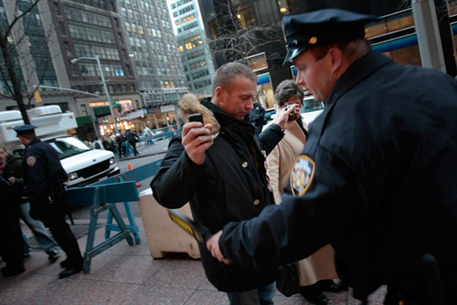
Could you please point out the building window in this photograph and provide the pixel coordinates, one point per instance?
(84, 110)
(245, 16)
(288, 7)
(62, 29)
(57, 8)
(257, 62)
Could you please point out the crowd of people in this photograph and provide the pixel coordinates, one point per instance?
(119, 143)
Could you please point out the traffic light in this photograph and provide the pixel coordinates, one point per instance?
(37, 96)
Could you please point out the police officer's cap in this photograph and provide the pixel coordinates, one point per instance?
(24, 129)
(322, 27)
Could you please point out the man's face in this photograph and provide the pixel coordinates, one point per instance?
(316, 76)
(237, 99)
(2, 157)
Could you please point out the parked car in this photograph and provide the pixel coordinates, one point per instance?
(311, 109)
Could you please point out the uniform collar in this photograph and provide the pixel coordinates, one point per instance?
(34, 141)
(356, 72)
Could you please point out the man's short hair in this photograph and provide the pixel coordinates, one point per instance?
(287, 89)
(226, 74)
(29, 136)
(352, 50)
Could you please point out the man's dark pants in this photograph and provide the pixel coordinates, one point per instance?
(54, 219)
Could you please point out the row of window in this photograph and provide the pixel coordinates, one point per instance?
(148, 8)
(79, 32)
(112, 88)
(202, 84)
(91, 69)
(188, 27)
(90, 51)
(184, 10)
(186, 19)
(87, 17)
(99, 4)
(194, 54)
(179, 3)
(196, 65)
(199, 74)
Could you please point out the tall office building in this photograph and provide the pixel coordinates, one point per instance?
(153, 49)
(192, 44)
(27, 46)
(91, 44)
(70, 45)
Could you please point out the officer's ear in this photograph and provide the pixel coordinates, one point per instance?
(337, 58)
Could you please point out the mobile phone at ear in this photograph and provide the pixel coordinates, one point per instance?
(196, 117)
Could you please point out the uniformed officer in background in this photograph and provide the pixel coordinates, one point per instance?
(43, 186)
(377, 176)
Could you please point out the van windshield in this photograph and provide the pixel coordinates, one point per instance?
(311, 105)
(67, 147)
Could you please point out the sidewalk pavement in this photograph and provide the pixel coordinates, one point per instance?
(127, 275)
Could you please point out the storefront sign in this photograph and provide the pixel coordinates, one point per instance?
(153, 110)
(134, 114)
(167, 108)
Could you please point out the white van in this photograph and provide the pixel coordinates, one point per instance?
(83, 165)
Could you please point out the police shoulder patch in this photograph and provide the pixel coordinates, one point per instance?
(302, 175)
(31, 160)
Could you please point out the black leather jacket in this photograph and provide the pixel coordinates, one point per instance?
(230, 186)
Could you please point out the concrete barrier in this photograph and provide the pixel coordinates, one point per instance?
(164, 236)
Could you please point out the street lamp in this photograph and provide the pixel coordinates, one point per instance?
(96, 58)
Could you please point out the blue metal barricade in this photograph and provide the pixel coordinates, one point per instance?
(103, 197)
(135, 175)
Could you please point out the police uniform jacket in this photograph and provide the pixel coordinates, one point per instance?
(230, 186)
(42, 168)
(376, 180)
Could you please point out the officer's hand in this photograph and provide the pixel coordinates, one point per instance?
(196, 140)
(287, 115)
(12, 180)
(213, 246)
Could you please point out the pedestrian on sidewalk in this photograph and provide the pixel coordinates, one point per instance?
(132, 138)
(377, 176)
(43, 180)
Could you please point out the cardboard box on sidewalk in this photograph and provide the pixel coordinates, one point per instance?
(164, 235)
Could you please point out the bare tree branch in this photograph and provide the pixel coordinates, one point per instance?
(235, 41)
(24, 45)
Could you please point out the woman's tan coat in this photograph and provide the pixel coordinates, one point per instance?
(320, 265)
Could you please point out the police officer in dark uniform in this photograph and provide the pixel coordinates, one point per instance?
(377, 176)
(44, 177)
